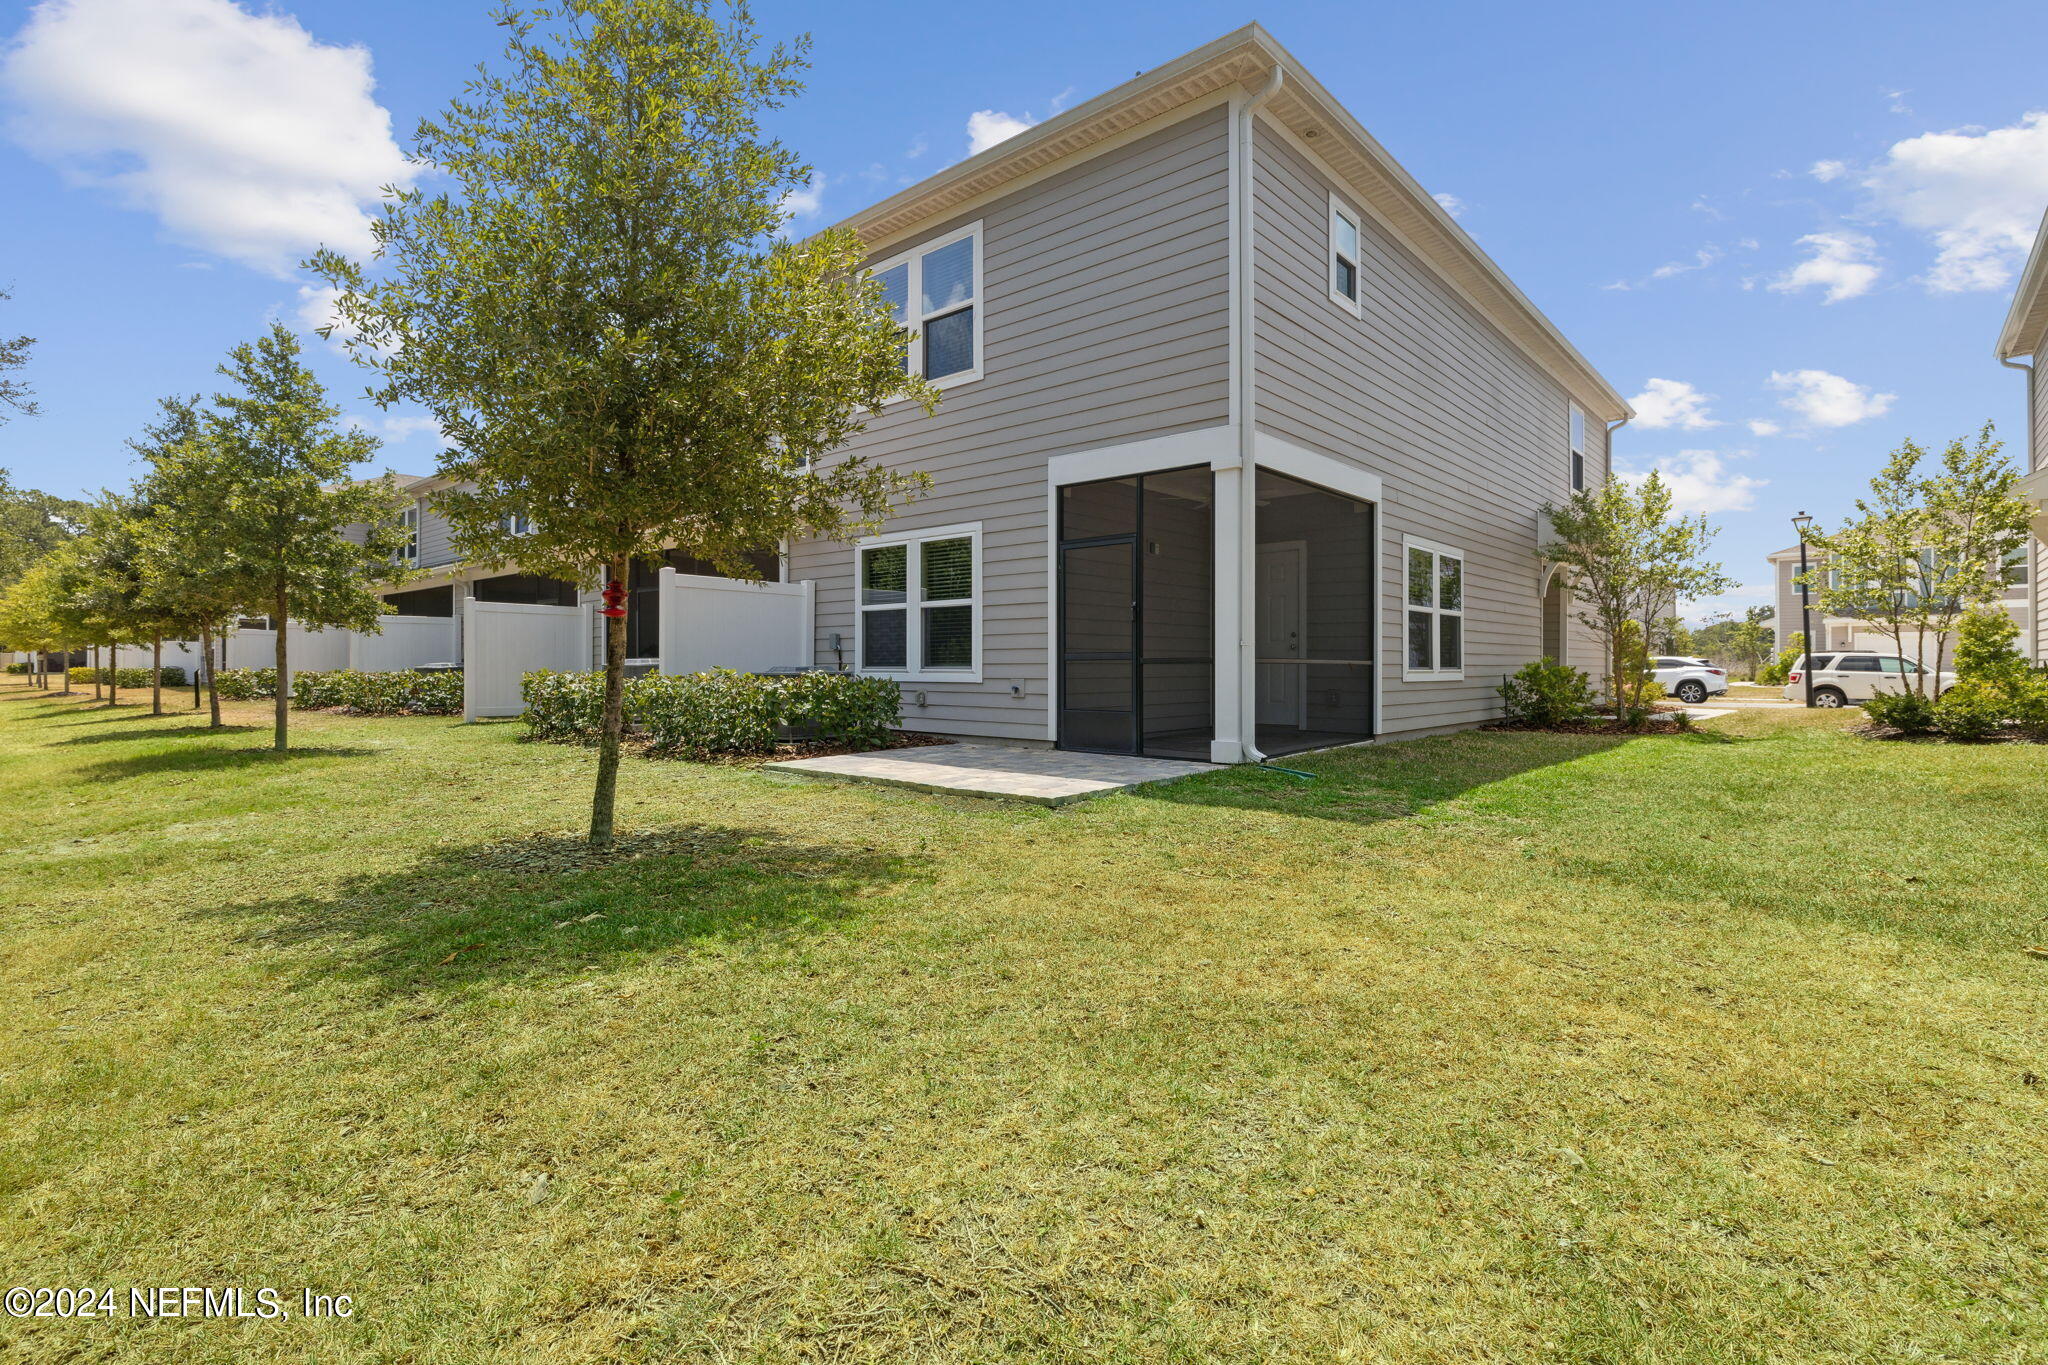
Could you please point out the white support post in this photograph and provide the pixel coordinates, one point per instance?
(807, 626)
(1227, 745)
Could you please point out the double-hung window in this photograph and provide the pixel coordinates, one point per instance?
(920, 604)
(1344, 255)
(934, 292)
(1436, 612)
(1578, 447)
(409, 523)
(516, 524)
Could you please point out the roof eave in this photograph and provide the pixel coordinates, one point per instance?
(2026, 322)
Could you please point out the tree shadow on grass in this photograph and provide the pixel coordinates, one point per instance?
(547, 906)
(195, 759)
(1372, 783)
(160, 732)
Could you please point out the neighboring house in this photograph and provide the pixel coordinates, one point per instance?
(1847, 632)
(2026, 334)
(1242, 450)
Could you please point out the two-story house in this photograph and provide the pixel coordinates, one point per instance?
(1848, 632)
(1242, 448)
(2026, 334)
(1243, 441)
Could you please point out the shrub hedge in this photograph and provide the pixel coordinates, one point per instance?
(718, 713)
(1907, 712)
(379, 694)
(129, 677)
(1547, 694)
(246, 684)
(21, 667)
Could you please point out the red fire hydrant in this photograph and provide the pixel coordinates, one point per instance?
(614, 599)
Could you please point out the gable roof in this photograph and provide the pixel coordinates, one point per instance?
(2026, 324)
(1245, 57)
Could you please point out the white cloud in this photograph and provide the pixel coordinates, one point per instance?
(399, 427)
(1672, 403)
(1701, 259)
(1842, 263)
(1977, 192)
(239, 131)
(918, 148)
(1451, 204)
(1700, 481)
(1828, 170)
(987, 127)
(807, 201)
(1821, 399)
(1763, 426)
(1897, 101)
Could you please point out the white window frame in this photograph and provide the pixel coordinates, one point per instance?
(1340, 209)
(913, 604)
(913, 259)
(516, 524)
(1575, 441)
(1409, 673)
(409, 522)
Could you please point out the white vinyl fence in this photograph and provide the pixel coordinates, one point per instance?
(729, 623)
(405, 642)
(504, 641)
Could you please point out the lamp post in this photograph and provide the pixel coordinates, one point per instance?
(1801, 523)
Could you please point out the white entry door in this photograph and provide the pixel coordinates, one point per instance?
(1282, 597)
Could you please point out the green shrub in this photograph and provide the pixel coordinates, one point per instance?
(1907, 712)
(2027, 703)
(402, 693)
(246, 684)
(846, 708)
(1971, 711)
(22, 667)
(705, 714)
(1778, 671)
(1547, 694)
(562, 706)
(1985, 646)
(128, 677)
(717, 713)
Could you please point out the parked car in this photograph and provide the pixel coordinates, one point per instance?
(1854, 677)
(1690, 680)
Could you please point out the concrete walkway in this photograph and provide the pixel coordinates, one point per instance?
(1049, 777)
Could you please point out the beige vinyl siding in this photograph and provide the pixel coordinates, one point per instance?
(437, 546)
(1468, 435)
(1104, 306)
(1787, 578)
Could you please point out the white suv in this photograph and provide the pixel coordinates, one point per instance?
(1692, 681)
(1839, 679)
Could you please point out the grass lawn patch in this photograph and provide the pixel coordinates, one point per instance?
(1500, 1047)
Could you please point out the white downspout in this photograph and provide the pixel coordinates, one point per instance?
(2034, 458)
(1247, 428)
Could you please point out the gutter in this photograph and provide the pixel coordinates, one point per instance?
(1247, 428)
(2027, 369)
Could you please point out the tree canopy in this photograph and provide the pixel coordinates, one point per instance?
(622, 353)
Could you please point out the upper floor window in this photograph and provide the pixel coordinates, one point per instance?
(1436, 612)
(2017, 563)
(1578, 447)
(409, 523)
(1345, 259)
(920, 604)
(516, 524)
(934, 292)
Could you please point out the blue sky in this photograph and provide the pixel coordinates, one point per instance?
(1803, 216)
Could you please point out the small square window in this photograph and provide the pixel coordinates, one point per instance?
(933, 294)
(920, 606)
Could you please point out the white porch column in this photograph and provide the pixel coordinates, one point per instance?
(1227, 745)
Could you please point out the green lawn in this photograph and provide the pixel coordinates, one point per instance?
(1493, 1048)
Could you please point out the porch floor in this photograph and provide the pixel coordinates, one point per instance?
(1048, 777)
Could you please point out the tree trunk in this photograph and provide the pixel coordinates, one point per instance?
(95, 672)
(605, 798)
(114, 675)
(206, 658)
(156, 674)
(284, 696)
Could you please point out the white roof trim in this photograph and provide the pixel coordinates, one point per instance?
(2026, 325)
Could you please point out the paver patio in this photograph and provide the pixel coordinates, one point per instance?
(1050, 777)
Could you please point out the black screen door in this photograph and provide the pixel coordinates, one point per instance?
(1099, 645)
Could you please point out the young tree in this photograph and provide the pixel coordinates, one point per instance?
(14, 393)
(266, 487)
(604, 323)
(1749, 640)
(1627, 559)
(33, 617)
(1923, 550)
(190, 582)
